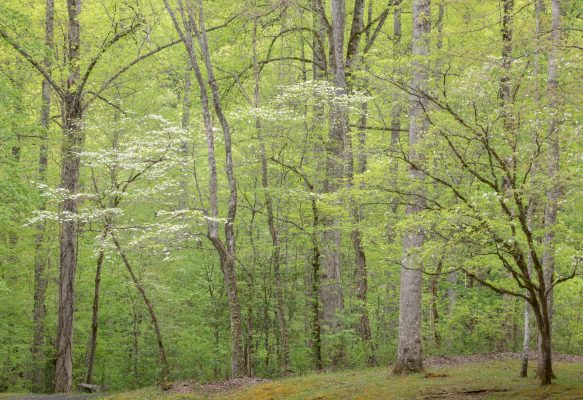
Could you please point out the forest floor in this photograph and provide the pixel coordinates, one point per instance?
(479, 377)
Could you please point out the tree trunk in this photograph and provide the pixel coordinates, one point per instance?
(237, 362)
(526, 340)
(72, 145)
(396, 112)
(185, 125)
(553, 191)
(541, 312)
(40, 253)
(95, 309)
(434, 283)
(331, 285)
(409, 357)
(316, 331)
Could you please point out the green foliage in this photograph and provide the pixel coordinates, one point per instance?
(133, 135)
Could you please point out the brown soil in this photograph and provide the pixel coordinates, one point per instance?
(214, 387)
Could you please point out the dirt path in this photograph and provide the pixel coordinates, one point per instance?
(53, 397)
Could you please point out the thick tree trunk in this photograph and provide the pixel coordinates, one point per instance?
(538, 6)
(72, 145)
(541, 312)
(40, 253)
(68, 245)
(331, 285)
(409, 357)
(553, 191)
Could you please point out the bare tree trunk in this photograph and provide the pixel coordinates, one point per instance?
(541, 312)
(395, 114)
(149, 306)
(185, 124)
(526, 339)
(508, 122)
(318, 43)
(409, 357)
(553, 192)
(316, 331)
(40, 254)
(237, 367)
(434, 283)
(331, 285)
(72, 144)
(538, 6)
(95, 309)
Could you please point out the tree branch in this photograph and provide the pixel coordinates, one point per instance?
(34, 63)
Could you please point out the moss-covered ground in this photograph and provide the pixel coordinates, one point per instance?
(483, 380)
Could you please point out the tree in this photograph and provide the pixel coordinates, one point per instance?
(225, 250)
(506, 232)
(544, 369)
(409, 357)
(40, 255)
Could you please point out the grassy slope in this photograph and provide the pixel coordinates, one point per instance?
(379, 384)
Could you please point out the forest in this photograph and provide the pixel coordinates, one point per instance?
(214, 191)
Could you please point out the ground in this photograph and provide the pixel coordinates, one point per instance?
(469, 378)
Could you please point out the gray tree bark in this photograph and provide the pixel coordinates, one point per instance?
(237, 361)
(185, 124)
(526, 338)
(553, 192)
(331, 286)
(409, 357)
